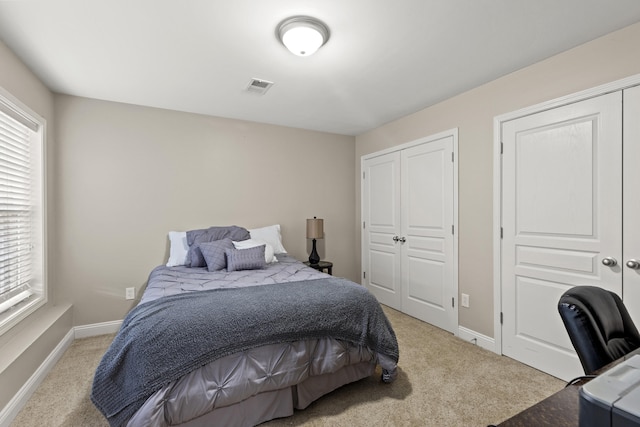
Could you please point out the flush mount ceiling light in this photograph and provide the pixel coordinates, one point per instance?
(303, 35)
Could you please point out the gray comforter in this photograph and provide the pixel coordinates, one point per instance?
(164, 281)
(154, 347)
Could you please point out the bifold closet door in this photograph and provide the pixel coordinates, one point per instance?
(561, 222)
(408, 216)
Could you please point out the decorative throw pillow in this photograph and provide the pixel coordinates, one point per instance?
(245, 259)
(214, 253)
(269, 256)
(271, 235)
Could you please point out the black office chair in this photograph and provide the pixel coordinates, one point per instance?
(599, 326)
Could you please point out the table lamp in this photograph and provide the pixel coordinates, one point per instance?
(314, 231)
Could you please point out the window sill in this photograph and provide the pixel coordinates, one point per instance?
(14, 316)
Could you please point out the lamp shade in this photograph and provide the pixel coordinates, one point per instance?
(315, 228)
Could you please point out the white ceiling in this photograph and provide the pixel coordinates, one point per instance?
(385, 58)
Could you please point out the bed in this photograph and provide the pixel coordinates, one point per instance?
(252, 339)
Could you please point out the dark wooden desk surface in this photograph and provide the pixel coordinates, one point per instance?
(558, 410)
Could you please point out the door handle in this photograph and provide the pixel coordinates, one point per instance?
(402, 240)
(633, 264)
(609, 262)
(396, 239)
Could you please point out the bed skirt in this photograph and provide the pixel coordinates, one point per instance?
(261, 407)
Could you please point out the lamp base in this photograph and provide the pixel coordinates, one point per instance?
(314, 258)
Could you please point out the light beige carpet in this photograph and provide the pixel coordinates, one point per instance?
(443, 381)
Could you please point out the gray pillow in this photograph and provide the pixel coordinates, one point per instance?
(211, 234)
(214, 253)
(194, 257)
(245, 259)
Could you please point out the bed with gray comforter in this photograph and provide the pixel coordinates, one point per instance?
(240, 348)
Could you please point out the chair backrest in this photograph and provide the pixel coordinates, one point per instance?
(599, 326)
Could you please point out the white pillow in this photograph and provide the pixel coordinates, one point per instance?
(269, 256)
(178, 248)
(271, 235)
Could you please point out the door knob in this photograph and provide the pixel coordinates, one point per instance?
(609, 262)
(633, 264)
(396, 238)
(402, 240)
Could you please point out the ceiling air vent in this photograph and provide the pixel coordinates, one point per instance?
(259, 86)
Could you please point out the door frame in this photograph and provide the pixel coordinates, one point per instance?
(447, 133)
(497, 180)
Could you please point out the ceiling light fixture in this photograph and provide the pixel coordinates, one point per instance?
(303, 35)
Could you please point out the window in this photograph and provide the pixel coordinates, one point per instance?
(22, 237)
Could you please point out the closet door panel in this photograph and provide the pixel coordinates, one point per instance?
(562, 215)
(381, 222)
(427, 212)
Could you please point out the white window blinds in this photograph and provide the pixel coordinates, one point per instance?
(16, 211)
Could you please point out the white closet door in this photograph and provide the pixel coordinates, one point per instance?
(631, 211)
(562, 215)
(427, 219)
(381, 216)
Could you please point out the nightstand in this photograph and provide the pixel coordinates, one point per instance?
(321, 266)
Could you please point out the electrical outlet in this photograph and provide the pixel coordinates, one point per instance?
(130, 293)
(465, 300)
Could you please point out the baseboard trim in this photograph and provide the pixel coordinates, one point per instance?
(474, 337)
(95, 329)
(21, 398)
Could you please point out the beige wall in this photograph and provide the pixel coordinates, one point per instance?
(130, 174)
(603, 60)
